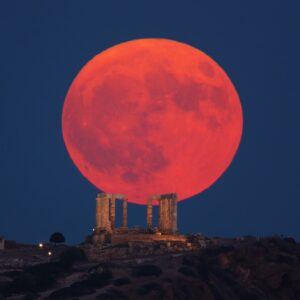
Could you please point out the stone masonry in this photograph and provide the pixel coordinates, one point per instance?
(168, 213)
(102, 212)
(105, 219)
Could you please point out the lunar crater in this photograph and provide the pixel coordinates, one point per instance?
(207, 69)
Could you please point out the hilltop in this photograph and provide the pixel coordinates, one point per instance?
(228, 269)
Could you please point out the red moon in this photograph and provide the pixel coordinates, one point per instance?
(152, 116)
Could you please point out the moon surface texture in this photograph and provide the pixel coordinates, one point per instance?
(152, 116)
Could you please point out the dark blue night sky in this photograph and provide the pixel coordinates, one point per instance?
(45, 43)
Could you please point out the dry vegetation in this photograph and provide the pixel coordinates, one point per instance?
(249, 270)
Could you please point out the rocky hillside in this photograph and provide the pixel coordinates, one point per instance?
(246, 269)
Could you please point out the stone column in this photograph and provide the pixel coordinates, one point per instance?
(102, 212)
(161, 214)
(112, 210)
(149, 213)
(124, 214)
(168, 213)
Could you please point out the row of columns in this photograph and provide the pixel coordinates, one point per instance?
(167, 222)
(105, 212)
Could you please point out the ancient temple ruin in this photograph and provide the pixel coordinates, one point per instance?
(168, 213)
(105, 211)
(106, 231)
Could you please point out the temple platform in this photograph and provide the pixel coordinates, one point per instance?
(119, 238)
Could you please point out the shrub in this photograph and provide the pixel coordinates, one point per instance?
(146, 270)
(150, 287)
(187, 271)
(99, 280)
(35, 278)
(25, 282)
(70, 256)
(72, 291)
(122, 281)
(290, 240)
(189, 260)
(84, 287)
(31, 296)
(284, 259)
(218, 250)
(112, 294)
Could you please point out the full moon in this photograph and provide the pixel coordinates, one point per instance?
(152, 116)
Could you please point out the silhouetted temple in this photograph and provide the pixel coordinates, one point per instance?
(106, 232)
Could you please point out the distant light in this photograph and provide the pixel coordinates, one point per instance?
(49, 253)
(41, 245)
(93, 229)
